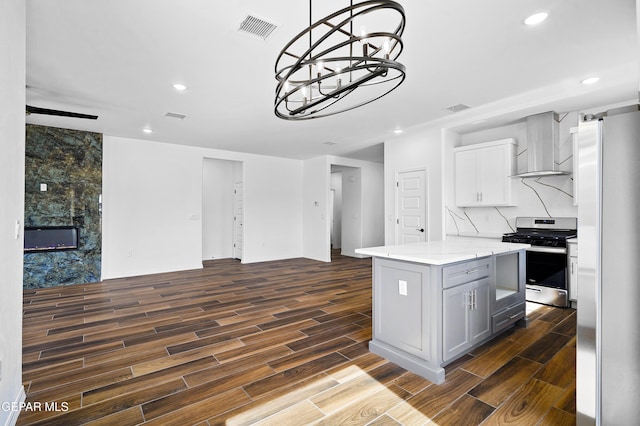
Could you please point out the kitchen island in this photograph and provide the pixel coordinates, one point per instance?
(435, 301)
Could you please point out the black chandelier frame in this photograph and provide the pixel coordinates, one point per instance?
(317, 84)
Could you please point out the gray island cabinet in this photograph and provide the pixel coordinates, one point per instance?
(435, 301)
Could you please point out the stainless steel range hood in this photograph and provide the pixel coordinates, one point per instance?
(542, 146)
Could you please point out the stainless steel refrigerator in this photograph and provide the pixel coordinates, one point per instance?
(608, 334)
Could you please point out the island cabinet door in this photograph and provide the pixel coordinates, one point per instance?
(455, 325)
(401, 294)
(466, 311)
(480, 311)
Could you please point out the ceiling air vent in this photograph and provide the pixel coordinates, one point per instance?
(458, 107)
(175, 115)
(257, 27)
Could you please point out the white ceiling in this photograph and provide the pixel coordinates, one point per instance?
(118, 59)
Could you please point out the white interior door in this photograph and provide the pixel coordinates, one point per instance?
(238, 220)
(411, 206)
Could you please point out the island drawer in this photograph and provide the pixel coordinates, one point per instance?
(465, 272)
(505, 318)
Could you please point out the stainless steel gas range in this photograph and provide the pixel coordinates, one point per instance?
(546, 275)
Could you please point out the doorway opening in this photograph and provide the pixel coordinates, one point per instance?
(346, 209)
(222, 209)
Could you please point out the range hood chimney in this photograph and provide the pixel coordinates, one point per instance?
(542, 146)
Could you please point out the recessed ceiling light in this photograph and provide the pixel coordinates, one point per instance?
(147, 130)
(590, 80)
(536, 18)
(397, 131)
(180, 87)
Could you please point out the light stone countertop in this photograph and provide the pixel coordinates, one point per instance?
(443, 252)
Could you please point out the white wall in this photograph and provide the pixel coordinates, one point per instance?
(12, 133)
(419, 148)
(152, 206)
(315, 209)
(217, 208)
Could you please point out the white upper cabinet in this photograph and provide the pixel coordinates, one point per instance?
(483, 174)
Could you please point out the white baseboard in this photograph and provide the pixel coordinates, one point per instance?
(12, 415)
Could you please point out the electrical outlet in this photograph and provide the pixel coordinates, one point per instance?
(402, 287)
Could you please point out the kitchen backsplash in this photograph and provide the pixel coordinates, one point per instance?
(550, 196)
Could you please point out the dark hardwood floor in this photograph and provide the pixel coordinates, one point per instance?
(281, 342)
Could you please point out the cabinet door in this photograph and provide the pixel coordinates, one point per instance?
(480, 311)
(466, 311)
(483, 174)
(466, 180)
(494, 177)
(455, 324)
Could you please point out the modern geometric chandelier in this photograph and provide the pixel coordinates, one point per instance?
(341, 62)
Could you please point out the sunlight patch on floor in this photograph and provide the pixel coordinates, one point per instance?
(297, 407)
(534, 307)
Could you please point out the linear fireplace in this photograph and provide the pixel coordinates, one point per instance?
(50, 238)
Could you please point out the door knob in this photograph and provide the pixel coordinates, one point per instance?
(420, 229)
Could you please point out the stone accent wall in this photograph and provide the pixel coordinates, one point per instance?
(69, 162)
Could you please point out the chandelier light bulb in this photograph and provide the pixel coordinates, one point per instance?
(386, 48)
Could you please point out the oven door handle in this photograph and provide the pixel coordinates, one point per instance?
(543, 249)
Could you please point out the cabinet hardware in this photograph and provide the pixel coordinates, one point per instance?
(471, 271)
(513, 316)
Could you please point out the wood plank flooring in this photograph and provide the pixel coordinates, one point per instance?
(281, 342)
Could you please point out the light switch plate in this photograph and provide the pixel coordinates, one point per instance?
(402, 287)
